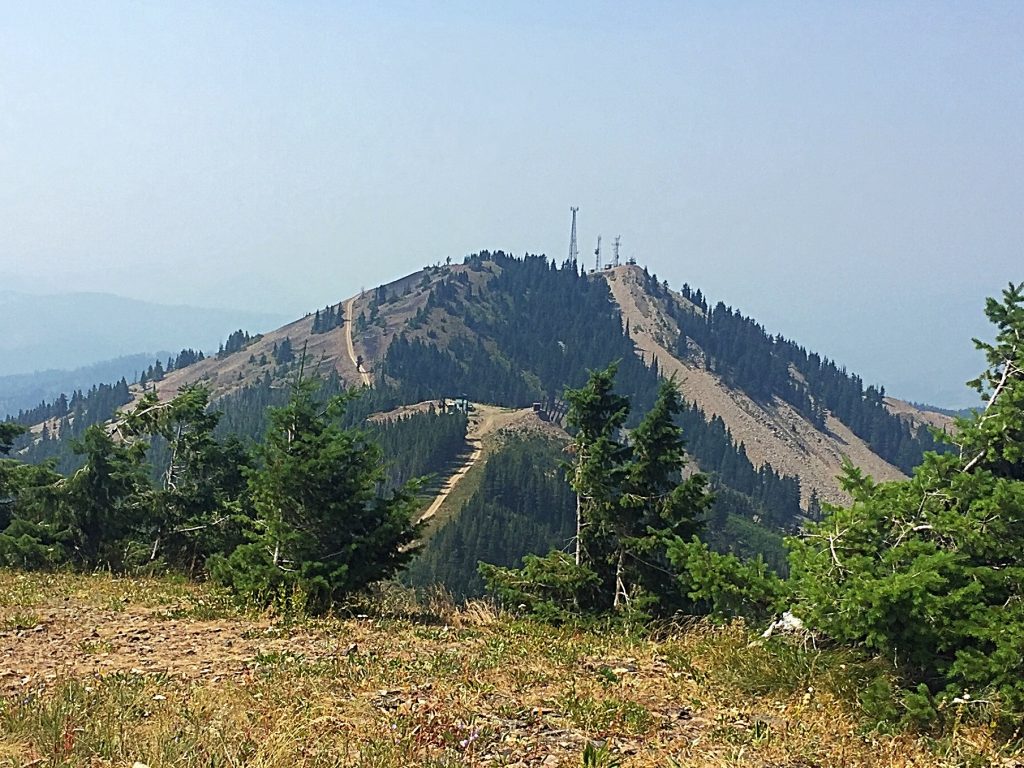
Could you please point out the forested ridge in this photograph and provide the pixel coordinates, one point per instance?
(535, 329)
(523, 505)
(511, 331)
(289, 495)
(748, 358)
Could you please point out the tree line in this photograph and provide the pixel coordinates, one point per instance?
(312, 512)
(327, 319)
(742, 352)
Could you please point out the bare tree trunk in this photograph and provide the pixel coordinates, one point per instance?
(579, 529)
(620, 583)
(580, 458)
(171, 468)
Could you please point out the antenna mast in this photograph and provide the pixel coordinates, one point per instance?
(615, 250)
(574, 251)
(597, 255)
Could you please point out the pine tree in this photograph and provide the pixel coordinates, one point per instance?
(657, 504)
(29, 538)
(106, 502)
(203, 483)
(597, 414)
(321, 529)
(9, 431)
(283, 352)
(632, 503)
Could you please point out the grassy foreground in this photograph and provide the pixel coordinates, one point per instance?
(98, 671)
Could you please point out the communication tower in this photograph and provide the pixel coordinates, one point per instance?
(574, 251)
(615, 250)
(597, 255)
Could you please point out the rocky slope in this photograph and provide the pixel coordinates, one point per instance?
(773, 433)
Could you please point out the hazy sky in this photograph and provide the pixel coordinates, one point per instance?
(850, 174)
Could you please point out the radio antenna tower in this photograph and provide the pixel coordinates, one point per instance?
(574, 251)
(597, 255)
(615, 250)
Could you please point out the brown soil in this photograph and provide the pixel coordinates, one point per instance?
(76, 640)
(335, 350)
(168, 688)
(775, 434)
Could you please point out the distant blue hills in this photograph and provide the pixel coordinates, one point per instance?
(46, 339)
(23, 391)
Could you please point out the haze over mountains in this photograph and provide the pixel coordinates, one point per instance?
(508, 331)
(71, 330)
(19, 391)
(768, 420)
(63, 332)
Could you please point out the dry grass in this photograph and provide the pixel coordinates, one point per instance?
(419, 685)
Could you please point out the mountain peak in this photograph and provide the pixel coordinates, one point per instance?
(510, 331)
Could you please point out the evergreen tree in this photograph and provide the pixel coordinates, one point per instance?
(105, 503)
(283, 352)
(28, 538)
(327, 319)
(631, 504)
(928, 571)
(657, 504)
(202, 486)
(9, 431)
(321, 528)
(597, 414)
(236, 342)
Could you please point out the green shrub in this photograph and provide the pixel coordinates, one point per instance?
(552, 587)
(928, 571)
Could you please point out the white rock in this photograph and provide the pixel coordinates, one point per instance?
(788, 624)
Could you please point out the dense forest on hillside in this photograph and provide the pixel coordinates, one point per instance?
(538, 329)
(741, 351)
(523, 505)
(93, 406)
(70, 418)
(512, 331)
(534, 329)
(419, 444)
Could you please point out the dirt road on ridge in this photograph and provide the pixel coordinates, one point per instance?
(349, 308)
(483, 420)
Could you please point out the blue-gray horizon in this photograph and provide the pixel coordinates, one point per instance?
(850, 176)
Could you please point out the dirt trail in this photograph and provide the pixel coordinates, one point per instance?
(775, 434)
(451, 482)
(349, 319)
(484, 420)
